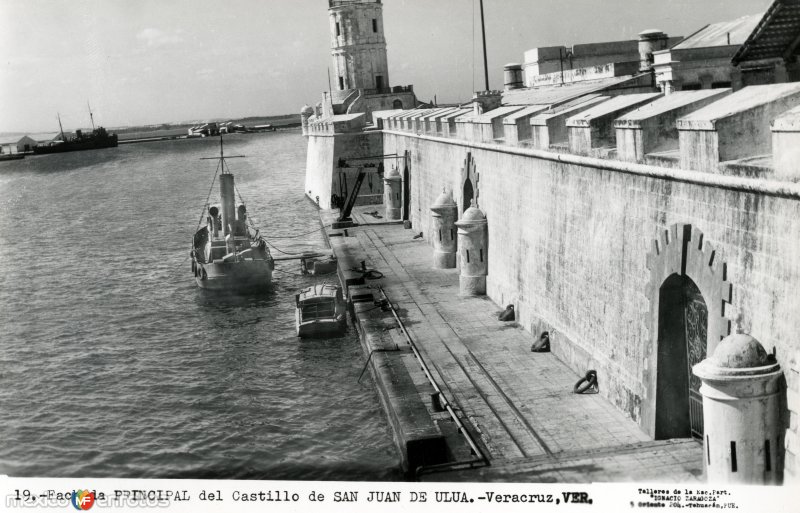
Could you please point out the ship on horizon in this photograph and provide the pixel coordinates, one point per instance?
(98, 139)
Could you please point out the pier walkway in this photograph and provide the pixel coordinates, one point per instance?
(518, 404)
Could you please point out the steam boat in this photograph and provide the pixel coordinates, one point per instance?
(226, 255)
(320, 310)
(98, 139)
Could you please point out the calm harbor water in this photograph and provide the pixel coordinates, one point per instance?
(114, 363)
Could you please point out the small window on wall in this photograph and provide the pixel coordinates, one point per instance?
(338, 29)
(374, 25)
(341, 83)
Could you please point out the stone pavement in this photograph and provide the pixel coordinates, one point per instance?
(521, 405)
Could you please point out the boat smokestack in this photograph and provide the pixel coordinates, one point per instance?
(228, 196)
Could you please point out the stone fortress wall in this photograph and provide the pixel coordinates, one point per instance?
(582, 244)
(606, 190)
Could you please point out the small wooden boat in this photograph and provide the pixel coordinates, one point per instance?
(320, 310)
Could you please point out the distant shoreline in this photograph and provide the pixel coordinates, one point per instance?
(156, 132)
(132, 137)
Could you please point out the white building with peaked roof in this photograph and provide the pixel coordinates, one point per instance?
(703, 60)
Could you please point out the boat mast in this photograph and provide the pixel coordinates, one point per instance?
(91, 116)
(227, 191)
(63, 138)
(221, 155)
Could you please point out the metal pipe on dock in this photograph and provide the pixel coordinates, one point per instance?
(444, 401)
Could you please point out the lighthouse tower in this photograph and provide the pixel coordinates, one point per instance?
(359, 87)
(357, 46)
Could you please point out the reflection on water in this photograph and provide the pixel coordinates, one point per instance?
(114, 363)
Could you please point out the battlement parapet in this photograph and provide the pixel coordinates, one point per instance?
(786, 145)
(429, 121)
(517, 126)
(592, 130)
(550, 127)
(338, 124)
(735, 127)
(652, 127)
(712, 130)
(487, 126)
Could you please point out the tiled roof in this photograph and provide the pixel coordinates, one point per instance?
(547, 95)
(775, 35)
(487, 117)
(725, 33)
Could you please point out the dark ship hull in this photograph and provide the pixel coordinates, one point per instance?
(93, 143)
(244, 276)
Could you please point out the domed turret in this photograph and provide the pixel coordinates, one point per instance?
(392, 193)
(444, 213)
(473, 239)
(739, 351)
(473, 213)
(741, 416)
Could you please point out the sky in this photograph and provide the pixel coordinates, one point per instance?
(140, 62)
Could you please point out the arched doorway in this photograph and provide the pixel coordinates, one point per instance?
(470, 186)
(688, 291)
(682, 343)
(468, 194)
(397, 104)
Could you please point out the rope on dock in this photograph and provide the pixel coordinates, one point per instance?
(282, 251)
(287, 272)
(302, 234)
